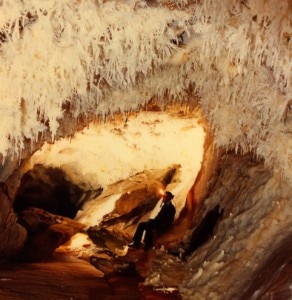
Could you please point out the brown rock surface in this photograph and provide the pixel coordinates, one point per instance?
(45, 232)
(12, 235)
(64, 277)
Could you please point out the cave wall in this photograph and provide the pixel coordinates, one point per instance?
(255, 227)
(237, 243)
(12, 234)
(253, 231)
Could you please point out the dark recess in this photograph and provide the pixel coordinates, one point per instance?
(204, 231)
(49, 189)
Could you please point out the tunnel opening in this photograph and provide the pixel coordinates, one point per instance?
(50, 189)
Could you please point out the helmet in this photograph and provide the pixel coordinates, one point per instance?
(168, 195)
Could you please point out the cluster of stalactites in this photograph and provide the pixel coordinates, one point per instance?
(244, 53)
(80, 52)
(107, 56)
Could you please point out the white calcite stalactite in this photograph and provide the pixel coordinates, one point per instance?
(234, 57)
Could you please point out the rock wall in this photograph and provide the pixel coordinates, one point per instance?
(12, 235)
(254, 229)
(237, 241)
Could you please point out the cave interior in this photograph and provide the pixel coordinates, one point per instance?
(108, 104)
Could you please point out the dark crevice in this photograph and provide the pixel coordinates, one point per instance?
(204, 231)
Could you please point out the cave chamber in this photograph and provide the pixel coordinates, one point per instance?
(188, 96)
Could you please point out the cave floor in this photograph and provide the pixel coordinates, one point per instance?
(64, 277)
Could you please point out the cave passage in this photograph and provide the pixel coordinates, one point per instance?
(91, 177)
(49, 189)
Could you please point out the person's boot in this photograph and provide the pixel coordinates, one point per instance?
(134, 245)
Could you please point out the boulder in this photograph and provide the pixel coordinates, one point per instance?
(45, 233)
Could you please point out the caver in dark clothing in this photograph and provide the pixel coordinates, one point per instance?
(161, 222)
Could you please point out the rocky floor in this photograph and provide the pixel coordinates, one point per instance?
(65, 277)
